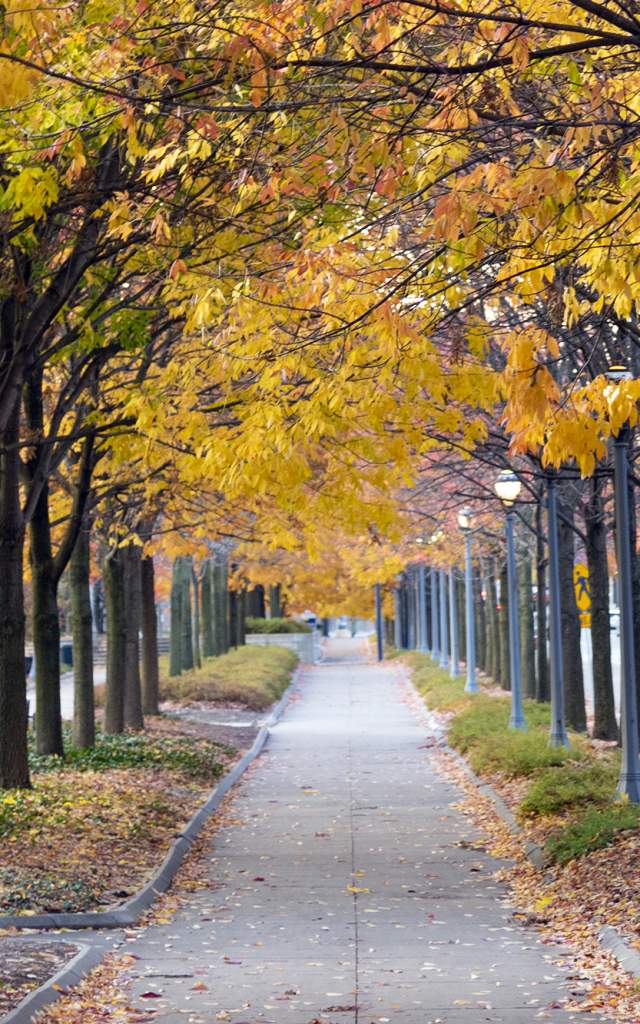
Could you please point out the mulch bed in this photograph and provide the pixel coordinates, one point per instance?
(25, 965)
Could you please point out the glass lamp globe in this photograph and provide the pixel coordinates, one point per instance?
(507, 486)
(465, 518)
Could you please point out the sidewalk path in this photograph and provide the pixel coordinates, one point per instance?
(341, 892)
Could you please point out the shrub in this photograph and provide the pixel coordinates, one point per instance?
(558, 790)
(193, 757)
(438, 689)
(253, 677)
(277, 626)
(595, 830)
(517, 753)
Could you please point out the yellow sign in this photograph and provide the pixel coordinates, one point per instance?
(585, 620)
(582, 587)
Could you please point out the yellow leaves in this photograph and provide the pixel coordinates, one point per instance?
(164, 159)
(121, 213)
(160, 230)
(31, 192)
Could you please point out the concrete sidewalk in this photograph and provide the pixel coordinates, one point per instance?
(341, 891)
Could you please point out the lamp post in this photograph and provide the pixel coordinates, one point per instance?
(558, 733)
(454, 663)
(435, 626)
(379, 639)
(507, 487)
(629, 784)
(465, 521)
(444, 621)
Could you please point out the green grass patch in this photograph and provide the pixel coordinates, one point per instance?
(594, 830)
(253, 677)
(277, 626)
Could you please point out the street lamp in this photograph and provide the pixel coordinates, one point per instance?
(629, 784)
(508, 487)
(465, 522)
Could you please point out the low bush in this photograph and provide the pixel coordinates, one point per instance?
(593, 831)
(277, 626)
(196, 758)
(517, 753)
(440, 692)
(253, 677)
(554, 790)
(574, 782)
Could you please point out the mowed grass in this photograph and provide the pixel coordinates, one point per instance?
(572, 792)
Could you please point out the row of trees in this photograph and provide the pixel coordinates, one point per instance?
(262, 273)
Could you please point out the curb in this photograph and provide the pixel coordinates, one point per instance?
(130, 912)
(610, 939)
(71, 974)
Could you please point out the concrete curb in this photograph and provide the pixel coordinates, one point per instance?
(71, 974)
(129, 913)
(609, 937)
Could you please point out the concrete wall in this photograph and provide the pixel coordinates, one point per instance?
(302, 643)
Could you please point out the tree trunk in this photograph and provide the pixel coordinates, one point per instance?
(175, 642)
(275, 606)
(197, 619)
(528, 657)
(233, 616)
(605, 726)
(543, 685)
(84, 729)
(14, 766)
(571, 653)
(494, 619)
(255, 602)
(187, 615)
(635, 582)
(133, 718)
(505, 673)
(46, 631)
(242, 617)
(150, 666)
(207, 606)
(113, 577)
(460, 592)
(480, 620)
(222, 606)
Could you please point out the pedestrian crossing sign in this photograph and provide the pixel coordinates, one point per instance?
(582, 587)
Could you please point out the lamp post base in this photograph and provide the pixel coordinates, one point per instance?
(629, 786)
(517, 722)
(558, 738)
